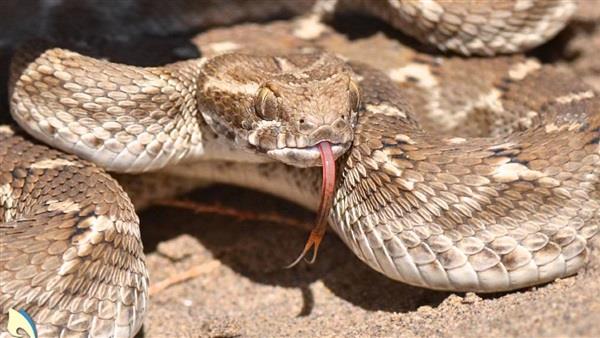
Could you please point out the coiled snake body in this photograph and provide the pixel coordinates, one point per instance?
(502, 208)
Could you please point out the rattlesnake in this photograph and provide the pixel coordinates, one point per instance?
(499, 208)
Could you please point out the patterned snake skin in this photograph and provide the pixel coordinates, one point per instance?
(510, 203)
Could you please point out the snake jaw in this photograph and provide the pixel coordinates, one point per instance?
(327, 192)
(308, 156)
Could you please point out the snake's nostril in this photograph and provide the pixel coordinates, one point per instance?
(306, 126)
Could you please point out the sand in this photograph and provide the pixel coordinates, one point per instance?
(242, 289)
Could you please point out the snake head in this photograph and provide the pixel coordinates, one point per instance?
(281, 106)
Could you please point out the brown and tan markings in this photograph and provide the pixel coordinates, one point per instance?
(454, 174)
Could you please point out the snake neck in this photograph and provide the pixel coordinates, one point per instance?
(298, 185)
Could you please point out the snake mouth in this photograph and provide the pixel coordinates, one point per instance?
(307, 156)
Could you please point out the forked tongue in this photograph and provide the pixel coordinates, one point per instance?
(327, 190)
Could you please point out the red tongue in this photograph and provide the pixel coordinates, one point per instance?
(327, 189)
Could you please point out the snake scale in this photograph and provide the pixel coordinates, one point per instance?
(452, 174)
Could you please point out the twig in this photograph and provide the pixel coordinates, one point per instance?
(181, 277)
(240, 215)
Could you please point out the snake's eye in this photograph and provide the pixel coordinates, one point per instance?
(354, 94)
(266, 104)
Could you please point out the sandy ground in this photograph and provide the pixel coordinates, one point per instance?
(242, 290)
